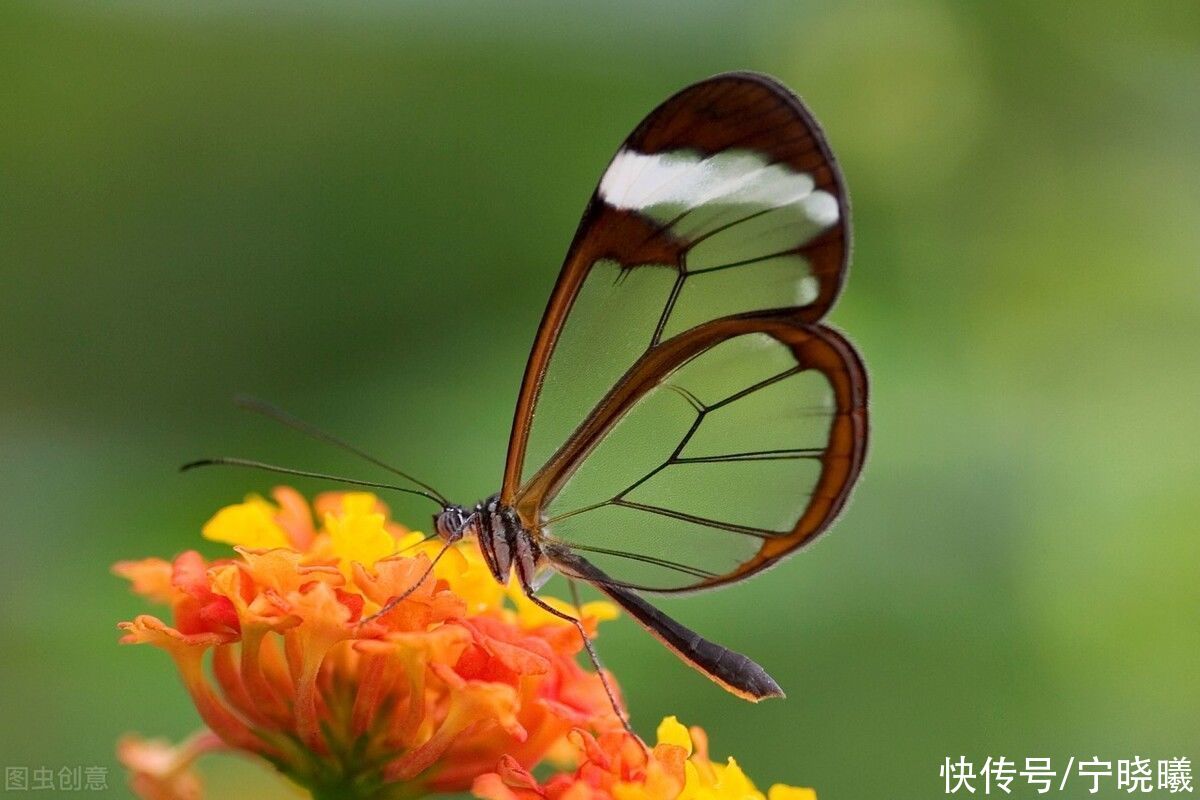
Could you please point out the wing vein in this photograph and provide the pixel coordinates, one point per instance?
(733, 398)
(761, 533)
(695, 572)
(755, 455)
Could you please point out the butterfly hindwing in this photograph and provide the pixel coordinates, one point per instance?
(725, 448)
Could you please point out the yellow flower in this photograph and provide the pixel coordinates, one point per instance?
(616, 766)
(276, 647)
(356, 534)
(250, 524)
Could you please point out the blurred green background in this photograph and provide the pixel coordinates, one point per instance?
(307, 202)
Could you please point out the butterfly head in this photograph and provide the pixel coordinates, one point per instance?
(452, 522)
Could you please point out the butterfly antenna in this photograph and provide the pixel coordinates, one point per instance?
(424, 539)
(307, 428)
(244, 462)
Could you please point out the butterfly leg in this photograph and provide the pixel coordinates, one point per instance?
(587, 643)
(574, 588)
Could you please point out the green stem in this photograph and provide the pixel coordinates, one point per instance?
(349, 789)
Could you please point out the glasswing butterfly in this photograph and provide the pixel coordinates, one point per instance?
(685, 419)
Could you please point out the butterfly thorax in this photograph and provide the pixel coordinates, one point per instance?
(503, 539)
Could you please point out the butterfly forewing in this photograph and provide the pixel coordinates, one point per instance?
(693, 421)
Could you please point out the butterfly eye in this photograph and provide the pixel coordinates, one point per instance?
(451, 523)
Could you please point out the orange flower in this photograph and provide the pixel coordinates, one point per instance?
(158, 771)
(422, 699)
(616, 766)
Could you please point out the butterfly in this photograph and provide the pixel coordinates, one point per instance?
(685, 419)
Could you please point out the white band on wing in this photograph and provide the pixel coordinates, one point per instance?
(682, 179)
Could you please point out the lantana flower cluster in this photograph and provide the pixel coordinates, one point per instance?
(463, 685)
(619, 766)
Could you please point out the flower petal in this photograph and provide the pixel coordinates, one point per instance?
(151, 578)
(160, 771)
(357, 531)
(783, 792)
(671, 732)
(250, 524)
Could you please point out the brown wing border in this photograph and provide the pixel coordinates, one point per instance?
(632, 240)
(814, 346)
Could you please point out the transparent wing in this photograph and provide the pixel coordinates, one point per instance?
(724, 204)
(738, 448)
(724, 200)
